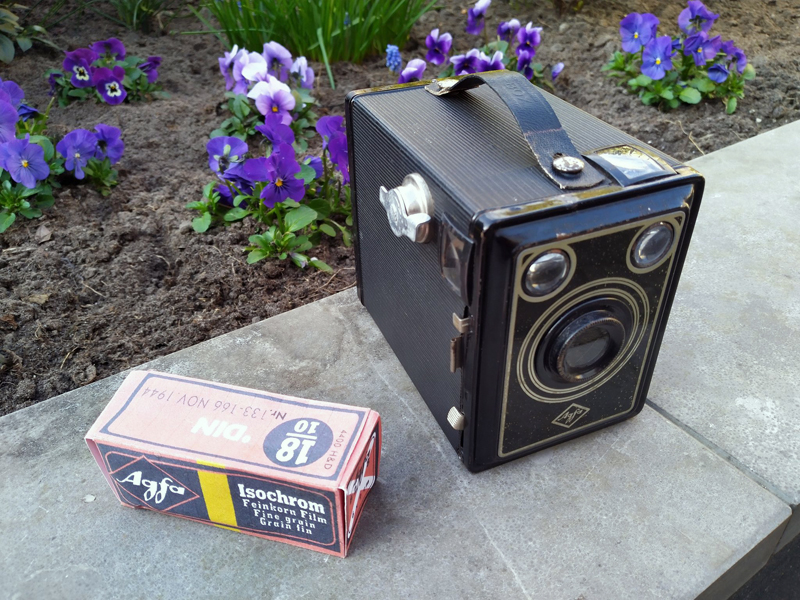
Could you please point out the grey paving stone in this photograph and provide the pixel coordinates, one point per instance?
(640, 510)
(729, 367)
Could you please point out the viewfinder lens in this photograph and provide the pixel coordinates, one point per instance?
(546, 273)
(653, 245)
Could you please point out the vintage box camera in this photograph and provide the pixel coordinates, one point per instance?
(519, 255)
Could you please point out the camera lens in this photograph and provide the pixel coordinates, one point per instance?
(546, 273)
(652, 245)
(587, 346)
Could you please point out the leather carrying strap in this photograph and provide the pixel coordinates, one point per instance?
(536, 119)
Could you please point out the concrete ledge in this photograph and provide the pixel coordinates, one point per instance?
(640, 510)
(729, 368)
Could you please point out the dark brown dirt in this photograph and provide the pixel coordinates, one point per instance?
(124, 279)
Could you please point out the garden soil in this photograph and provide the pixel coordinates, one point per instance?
(98, 285)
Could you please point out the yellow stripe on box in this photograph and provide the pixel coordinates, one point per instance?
(217, 495)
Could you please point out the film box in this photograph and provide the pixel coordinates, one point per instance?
(283, 468)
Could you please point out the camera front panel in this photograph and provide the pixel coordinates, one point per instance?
(586, 296)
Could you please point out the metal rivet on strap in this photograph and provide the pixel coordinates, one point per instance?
(568, 164)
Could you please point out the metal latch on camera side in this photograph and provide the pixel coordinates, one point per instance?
(457, 343)
(409, 208)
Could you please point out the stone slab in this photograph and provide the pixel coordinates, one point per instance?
(729, 368)
(640, 510)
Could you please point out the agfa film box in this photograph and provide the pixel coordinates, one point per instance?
(274, 466)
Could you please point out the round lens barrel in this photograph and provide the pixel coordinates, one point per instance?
(587, 346)
(546, 273)
(653, 245)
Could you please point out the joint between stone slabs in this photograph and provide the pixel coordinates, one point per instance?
(725, 455)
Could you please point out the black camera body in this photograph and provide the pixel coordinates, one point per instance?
(519, 255)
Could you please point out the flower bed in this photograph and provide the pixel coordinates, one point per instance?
(100, 284)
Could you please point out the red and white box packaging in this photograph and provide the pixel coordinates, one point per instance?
(283, 468)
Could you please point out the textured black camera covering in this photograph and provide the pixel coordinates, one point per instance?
(470, 151)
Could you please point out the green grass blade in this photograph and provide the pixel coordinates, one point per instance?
(325, 57)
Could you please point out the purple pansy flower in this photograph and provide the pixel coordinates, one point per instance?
(278, 172)
(303, 72)
(256, 68)
(79, 63)
(8, 122)
(490, 63)
(109, 84)
(508, 29)
(524, 59)
(224, 151)
(700, 48)
(696, 18)
(438, 47)
(529, 38)
(476, 17)
(718, 73)
(275, 131)
(240, 62)
(464, 64)
(636, 30)
(225, 63)
(109, 143)
(150, 67)
(315, 162)
(413, 71)
(657, 57)
(279, 60)
(330, 128)
(77, 147)
(273, 97)
(556, 71)
(14, 92)
(337, 149)
(24, 162)
(734, 53)
(25, 112)
(111, 47)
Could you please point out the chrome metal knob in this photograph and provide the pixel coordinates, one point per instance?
(409, 208)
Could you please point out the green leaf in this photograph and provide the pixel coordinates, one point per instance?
(256, 255)
(730, 105)
(30, 213)
(299, 218)
(690, 95)
(236, 214)
(643, 80)
(325, 228)
(202, 223)
(24, 43)
(6, 51)
(749, 72)
(301, 260)
(307, 174)
(321, 206)
(346, 238)
(77, 94)
(44, 200)
(667, 94)
(703, 84)
(315, 262)
(196, 205)
(6, 219)
(649, 98)
(46, 144)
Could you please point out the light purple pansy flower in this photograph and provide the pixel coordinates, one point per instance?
(490, 63)
(225, 64)
(337, 149)
(303, 72)
(636, 30)
(524, 59)
(700, 48)
(279, 60)
(315, 162)
(223, 151)
(109, 83)
(734, 53)
(508, 29)
(329, 128)
(273, 97)
(464, 64)
(413, 71)
(77, 147)
(150, 68)
(718, 73)
(438, 47)
(24, 161)
(13, 91)
(657, 57)
(278, 172)
(8, 121)
(696, 17)
(476, 17)
(240, 62)
(556, 71)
